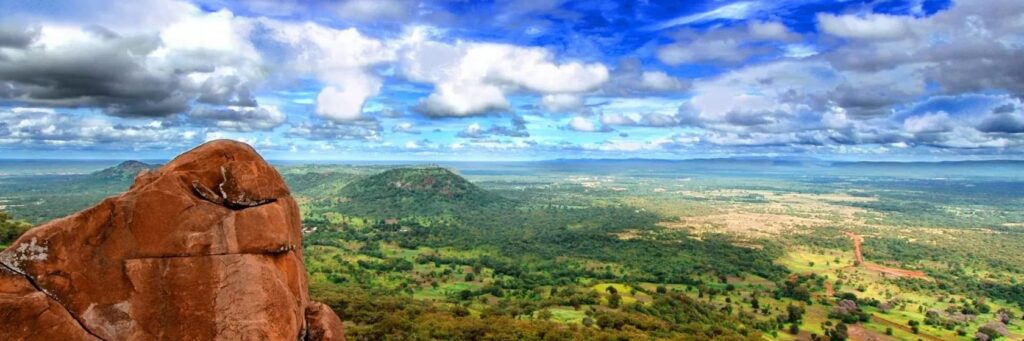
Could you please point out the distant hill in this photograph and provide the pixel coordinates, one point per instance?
(124, 171)
(421, 191)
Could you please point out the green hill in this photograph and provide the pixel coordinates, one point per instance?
(404, 192)
(124, 171)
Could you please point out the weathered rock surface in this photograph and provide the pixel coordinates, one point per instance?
(207, 247)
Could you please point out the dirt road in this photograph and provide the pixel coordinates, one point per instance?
(859, 256)
(857, 240)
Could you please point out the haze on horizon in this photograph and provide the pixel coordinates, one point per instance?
(514, 80)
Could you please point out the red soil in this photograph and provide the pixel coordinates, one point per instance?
(857, 240)
(856, 246)
(895, 271)
(858, 332)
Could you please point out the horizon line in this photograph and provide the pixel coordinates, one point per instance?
(736, 158)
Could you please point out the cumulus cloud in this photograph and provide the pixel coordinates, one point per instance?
(928, 123)
(1004, 119)
(463, 99)
(340, 59)
(856, 93)
(144, 74)
(561, 102)
(637, 119)
(961, 49)
(236, 118)
(97, 71)
(226, 89)
(729, 45)
(34, 126)
(332, 131)
(966, 138)
(404, 127)
(630, 79)
(473, 78)
(17, 36)
(862, 79)
(583, 124)
(866, 27)
(476, 131)
(771, 95)
(871, 94)
(1003, 123)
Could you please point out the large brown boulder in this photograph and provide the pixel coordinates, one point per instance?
(207, 247)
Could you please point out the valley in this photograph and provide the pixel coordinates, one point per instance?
(636, 249)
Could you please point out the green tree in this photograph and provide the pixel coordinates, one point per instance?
(614, 300)
(11, 229)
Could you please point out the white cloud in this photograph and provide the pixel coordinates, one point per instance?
(235, 118)
(332, 131)
(928, 123)
(31, 126)
(631, 79)
(152, 73)
(658, 80)
(718, 51)
(617, 119)
(404, 127)
(473, 130)
(561, 102)
(770, 30)
(473, 78)
(776, 91)
(728, 45)
(969, 138)
(966, 48)
(580, 123)
(341, 59)
(733, 11)
(463, 99)
(220, 32)
(866, 27)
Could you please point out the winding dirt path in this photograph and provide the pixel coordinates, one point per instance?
(885, 270)
(857, 240)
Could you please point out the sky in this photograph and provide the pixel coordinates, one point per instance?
(465, 80)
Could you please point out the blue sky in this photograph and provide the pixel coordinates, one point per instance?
(514, 80)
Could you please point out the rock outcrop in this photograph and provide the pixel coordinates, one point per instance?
(208, 247)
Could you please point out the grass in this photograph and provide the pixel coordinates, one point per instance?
(802, 261)
(566, 315)
(624, 292)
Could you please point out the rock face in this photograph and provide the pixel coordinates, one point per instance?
(208, 247)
